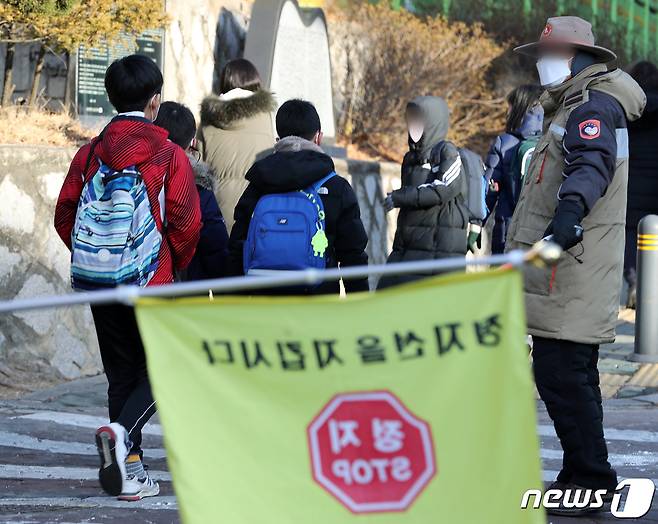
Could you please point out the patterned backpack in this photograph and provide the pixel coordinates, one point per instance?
(115, 240)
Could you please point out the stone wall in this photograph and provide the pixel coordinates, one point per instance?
(58, 344)
(371, 182)
(55, 343)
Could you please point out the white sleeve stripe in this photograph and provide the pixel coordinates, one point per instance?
(455, 165)
(452, 175)
(448, 177)
(455, 168)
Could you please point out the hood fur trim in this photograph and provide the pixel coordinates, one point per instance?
(223, 113)
(295, 144)
(204, 175)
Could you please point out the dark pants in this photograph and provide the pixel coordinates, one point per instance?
(129, 396)
(499, 235)
(567, 378)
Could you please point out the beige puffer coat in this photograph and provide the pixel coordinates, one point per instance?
(235, 133)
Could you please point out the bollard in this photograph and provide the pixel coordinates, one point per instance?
(646, 322)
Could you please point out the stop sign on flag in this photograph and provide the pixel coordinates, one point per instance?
(370, 452)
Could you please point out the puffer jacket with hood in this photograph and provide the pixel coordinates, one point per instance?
(211, 255)
(499, 169)
(297, 164)
(433, 218)
(236, 130)
(581, 158)
(642, 179)
(643, 164)
(168, 177)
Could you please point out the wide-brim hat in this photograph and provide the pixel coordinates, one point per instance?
(570, 31)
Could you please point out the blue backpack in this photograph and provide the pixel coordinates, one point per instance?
(287, 232)
(115, 240)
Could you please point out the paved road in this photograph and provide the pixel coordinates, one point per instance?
(48, 461)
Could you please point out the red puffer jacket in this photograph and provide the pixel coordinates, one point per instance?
(168, 177)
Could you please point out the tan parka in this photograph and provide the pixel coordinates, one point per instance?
(578, 300)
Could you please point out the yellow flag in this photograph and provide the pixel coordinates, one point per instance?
(412, 405)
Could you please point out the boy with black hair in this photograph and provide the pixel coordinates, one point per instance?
(133, 85)
(209, 261)
(297, 163)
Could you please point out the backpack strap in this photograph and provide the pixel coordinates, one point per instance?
(90, 156)
(316, 187)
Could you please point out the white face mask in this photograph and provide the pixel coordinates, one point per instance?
(416, 131)
(553, 70)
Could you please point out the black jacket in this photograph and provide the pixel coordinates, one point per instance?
(643, 168)
(433, 218)
(296, 165)
(211, 254)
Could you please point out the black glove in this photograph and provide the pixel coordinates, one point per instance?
(565, 226)
(389, 205)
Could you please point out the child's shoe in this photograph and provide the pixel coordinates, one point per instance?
(112, 443)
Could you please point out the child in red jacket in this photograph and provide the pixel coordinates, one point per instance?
(133, 85)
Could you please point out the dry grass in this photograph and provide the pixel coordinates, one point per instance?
(384, 58)
(19, 125)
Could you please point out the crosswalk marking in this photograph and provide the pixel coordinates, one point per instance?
(610, 434)
(160, 502)
(82, 421)
(549, 475)
(93, 422)
(640, 459)
(627, 464)
(16, 440)
(19, 471)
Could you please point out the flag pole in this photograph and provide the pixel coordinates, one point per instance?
(547, 252)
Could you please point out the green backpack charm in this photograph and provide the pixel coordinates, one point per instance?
(320, 243)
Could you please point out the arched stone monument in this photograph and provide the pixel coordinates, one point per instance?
(289, 46)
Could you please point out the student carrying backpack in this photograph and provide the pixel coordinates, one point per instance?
(211, 254)
(287, 232)
(434, 214)
(115, 240)
(129, 211)
(297, 213)
(509, 157)
(522, 158)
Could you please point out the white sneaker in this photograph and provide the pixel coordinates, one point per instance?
(111, 441)
(135, 489)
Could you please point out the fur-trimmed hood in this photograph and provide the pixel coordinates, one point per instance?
(294, 144)
(224, 113)
(203, 173)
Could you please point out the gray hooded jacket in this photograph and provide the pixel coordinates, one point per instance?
(433, 217)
